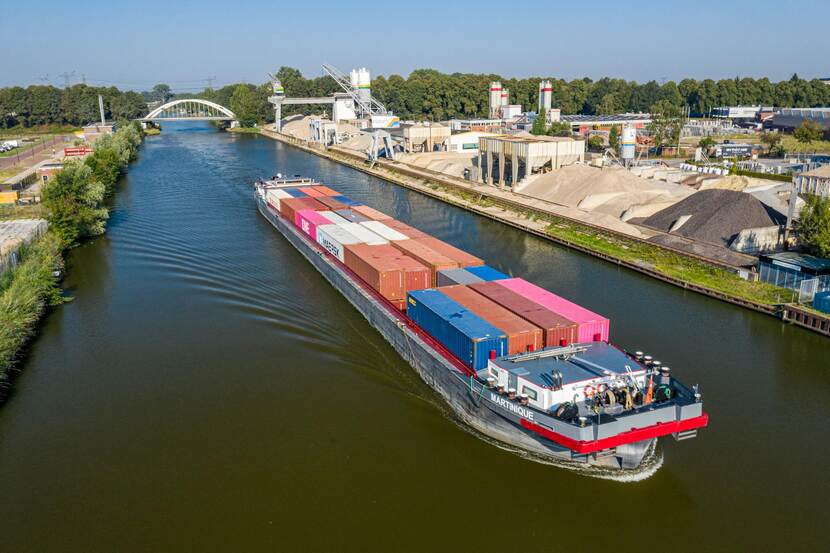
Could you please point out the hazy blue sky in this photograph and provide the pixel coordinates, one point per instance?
(135, 44)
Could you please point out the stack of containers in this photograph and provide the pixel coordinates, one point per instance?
(592, 327)
(290, 207)
(372, 214)
(325, 190)
(296, 192)
(331, 204)
(275, 195)
(307, 220)
(335, 238)
(557, 330)
(461, 257)
(352, 216)
(470, 338)
(429, 257)
(382, 230)
(348, 201)
(387, 270)
(365, 235)
(487, 273)
(522, 336)
(312, 192)
(333, 217)
(470, 275)
(403, 228)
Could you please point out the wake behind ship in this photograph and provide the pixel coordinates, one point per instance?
(514, 361)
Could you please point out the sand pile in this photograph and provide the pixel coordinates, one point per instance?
(449, 163)
(360, 143)
(297, 126)
(714, 216)
(610, 190)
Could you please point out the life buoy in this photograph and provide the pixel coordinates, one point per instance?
(602, 387)
(588, 391)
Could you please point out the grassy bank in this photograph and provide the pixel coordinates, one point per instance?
(25, 293)
(243, 130)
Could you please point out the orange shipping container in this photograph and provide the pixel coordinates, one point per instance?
(326, 191)
(426, 255)
(387, 270)
(403, 228)
(521, 335)
(461, 257)
(290, 206)
(331, 203)
(372, 214)
(312, 192)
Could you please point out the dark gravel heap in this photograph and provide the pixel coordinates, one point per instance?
(717, 216)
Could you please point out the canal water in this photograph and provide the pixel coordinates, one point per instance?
(206, 390)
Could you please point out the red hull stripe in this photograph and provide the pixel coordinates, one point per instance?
(633, 435)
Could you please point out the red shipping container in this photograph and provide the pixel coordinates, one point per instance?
(461, 257)
(522, 336)
(372, 214)
(592, 327)
(427, 256)
(326, 191)
(331, 204)
(290, 207)
(307, 221)
(312, 192)
(411, 232)
(386, 269)
(556, 328)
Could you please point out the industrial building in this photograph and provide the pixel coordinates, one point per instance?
(466, 142)
(509, 159)
(791, 118)
(423, 138)
(815, 182)
(581, 124)
(789, 269)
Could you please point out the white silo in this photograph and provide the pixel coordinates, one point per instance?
(495, 99)
(545, 96)
(364, 84)
(505, 96)
(353, 78)
(278, 88)
(628, 144)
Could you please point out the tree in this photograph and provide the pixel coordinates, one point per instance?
(608, 105)
(809, 131)
(773, 142)
(161, 93)
(614, 138)
(540, 125)
(243, 104)
(706, 143)
(74, 204)
(666, 123)
(813, 226)
(595, 143)
(559, 128)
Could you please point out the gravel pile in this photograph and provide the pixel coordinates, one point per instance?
(714, 216)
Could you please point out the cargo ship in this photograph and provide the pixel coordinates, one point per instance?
(522, 366)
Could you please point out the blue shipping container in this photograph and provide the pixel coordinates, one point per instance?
(822, 301)
(486, 273)
(462, 332)
(450, 277)
(296, 192)
(345, 200)
(351, 216)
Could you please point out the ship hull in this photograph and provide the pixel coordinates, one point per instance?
(471, 403)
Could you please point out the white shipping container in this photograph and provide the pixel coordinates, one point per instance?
(333, 217)
(383, 231)
(365, 235)
(334, 238)
(275, 195)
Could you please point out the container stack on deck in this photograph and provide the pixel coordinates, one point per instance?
(473, 310)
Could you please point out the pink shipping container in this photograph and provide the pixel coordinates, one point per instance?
(592, 327)
(307, 221)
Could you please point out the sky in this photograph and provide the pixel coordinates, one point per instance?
(134, 45)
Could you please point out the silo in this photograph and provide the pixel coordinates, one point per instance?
(545, 96)
(278, 89)
(353, 78)
(364, 84)
(628, 144)
(495, 99)
(505, 97)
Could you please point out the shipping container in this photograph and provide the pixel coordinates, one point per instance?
(557, 330)
(403, 228)
(274, 196)
(386, 269)
(382, 230)
(296, 192)
(592, 327)
(307, 220)
(366, 236)
(331, 203)
(487, 273)
(451, 277)
(334, 238)
(462, 332)
(326, 191)
(427, 256)
(461, 257)
(312, 192)
(352, 216)
(290, 207)
(372, 214)
(348, 201)
(522, 336)
(333, 217)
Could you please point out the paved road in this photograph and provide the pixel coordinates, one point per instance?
(33, 155)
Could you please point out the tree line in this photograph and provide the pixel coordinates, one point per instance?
(75, 106)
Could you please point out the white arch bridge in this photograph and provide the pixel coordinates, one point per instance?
(192, 109)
